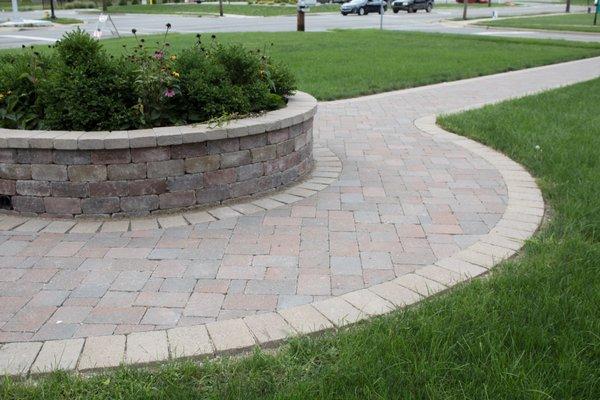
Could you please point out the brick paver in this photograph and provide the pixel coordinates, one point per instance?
(414, 211)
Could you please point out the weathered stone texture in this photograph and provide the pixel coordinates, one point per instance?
(138, 181)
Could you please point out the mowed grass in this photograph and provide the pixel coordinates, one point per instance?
(530, 330)
(566, 22)
(340, 64)
(64, 21)
(205, 9)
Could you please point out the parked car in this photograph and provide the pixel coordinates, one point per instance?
(362, 7)
(412, 6)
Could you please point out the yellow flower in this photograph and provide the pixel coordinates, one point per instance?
(175, 74)
(173, 57)
(1, 97)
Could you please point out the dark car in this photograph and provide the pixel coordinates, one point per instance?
(412, 6)
(362, 7)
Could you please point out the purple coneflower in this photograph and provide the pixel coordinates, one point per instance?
(169, 92)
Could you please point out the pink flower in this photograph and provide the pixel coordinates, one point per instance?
(169, 92)
(159, 55)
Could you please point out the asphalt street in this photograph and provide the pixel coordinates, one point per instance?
(436, 21)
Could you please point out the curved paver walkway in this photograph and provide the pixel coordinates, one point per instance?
(414, 211)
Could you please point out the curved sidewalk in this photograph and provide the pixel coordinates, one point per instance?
(415, 210)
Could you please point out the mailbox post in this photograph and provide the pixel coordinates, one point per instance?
(303, 7)
(300, 20)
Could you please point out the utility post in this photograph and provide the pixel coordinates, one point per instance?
(381, 15)
(15, 11)
(52, 15)
(465, 5)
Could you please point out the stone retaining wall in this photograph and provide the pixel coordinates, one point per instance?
(70, 174)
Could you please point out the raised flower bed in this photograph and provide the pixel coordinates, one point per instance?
(140, 171)
(85, 133)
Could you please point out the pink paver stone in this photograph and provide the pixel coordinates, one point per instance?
(396, 210)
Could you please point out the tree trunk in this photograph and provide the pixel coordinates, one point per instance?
(568, 6)
(465, 5)
(221, 8)
(104, 5)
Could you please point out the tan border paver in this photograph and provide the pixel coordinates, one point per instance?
(146, 347)
(189, 341)
(102, 352)
(306, 319)
(230, 335)
(58, 355)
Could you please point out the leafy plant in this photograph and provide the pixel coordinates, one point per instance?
(78, 86)
(86, 89)
(155, 83)
(79, 4)
(19, 77)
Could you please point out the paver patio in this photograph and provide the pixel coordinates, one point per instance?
(413, 211)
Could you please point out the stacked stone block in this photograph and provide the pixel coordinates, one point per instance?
(134, 181)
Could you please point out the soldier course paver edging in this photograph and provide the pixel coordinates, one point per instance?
(520, 218)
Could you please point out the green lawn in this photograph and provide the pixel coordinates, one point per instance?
(567, 22)
(495, 4)
(64, 21)
(527, 331)
(256, 10)
(339, 64)
(204, 9)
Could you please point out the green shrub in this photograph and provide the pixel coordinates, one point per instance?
(85, 89)
(78, 86)
(79, 4)
(271, 2)
(135, 2)
(122, 2)
(19, 75)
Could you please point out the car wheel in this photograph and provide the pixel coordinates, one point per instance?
(429, 7)
(344, 14)
(361, 11)
(410, 10)
(396, 11)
